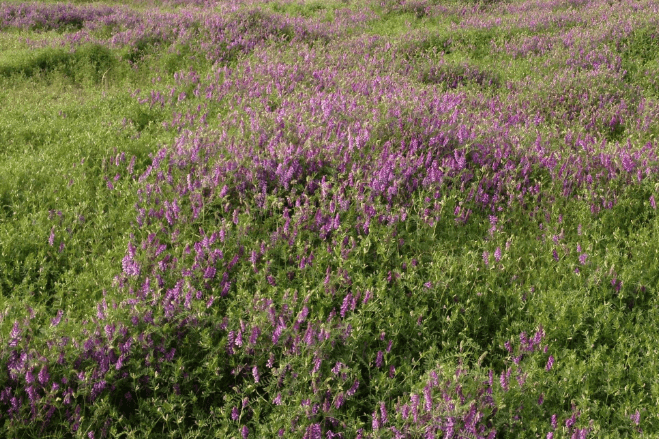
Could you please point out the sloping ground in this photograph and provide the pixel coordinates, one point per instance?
(329, 219)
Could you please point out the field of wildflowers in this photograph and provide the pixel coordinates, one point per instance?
(329, 219)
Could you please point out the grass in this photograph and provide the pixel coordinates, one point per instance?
(354, 230)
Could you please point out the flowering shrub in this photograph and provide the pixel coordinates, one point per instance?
(273, 220)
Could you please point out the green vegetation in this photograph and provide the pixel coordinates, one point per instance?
(293, 220)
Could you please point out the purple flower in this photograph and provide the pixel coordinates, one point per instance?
(98, 388)
(109, 331)
(32, 393)
(428, 398)
(313, 432)
(51, 238)
(276, 334)
(234, 414)
(339, 401)
(555, 255)
(367, 297)
(379, 359)
(210, 272)
(256, 331)
(636, 417)
(582, 258)
(503, 381)
(405, 411)
(316, 365)
(550, 435)
(550, 363)
(653, 203)
(55, 320)
(277, 400)
(210, 301)
(346, 303)
(353, 389)
(128, 263)
(554, 422)
(255, 373)
(43, 376)
(414, 399)
(486, 258)
(244, 432)
(375, 423)
(90, 435)
(383, 411)
(497, 254)
(15, 335)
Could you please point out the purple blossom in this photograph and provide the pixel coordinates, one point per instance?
(503, 380)
(347, 300)
(427, 396)
(550, 363)
(375, 421)
(255, 373)
(244, 432)
(210, 301)
(128, 263)
(56, 320)
(209, 273)
(379, 360)
(277, 333)
(636, 417)
(340, 400)
(367, 297)
(256, 331)
(313, 432)
(14, 335)
(316, 365)
(43, 376)
(353, 389)
(383, 411)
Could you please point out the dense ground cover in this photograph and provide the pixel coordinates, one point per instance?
(329, 219)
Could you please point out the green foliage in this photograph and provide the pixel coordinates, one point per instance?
(444, 305)
(89, 62)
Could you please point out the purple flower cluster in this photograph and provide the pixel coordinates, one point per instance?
(322, 143)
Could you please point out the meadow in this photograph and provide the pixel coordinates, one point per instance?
(329, 219)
